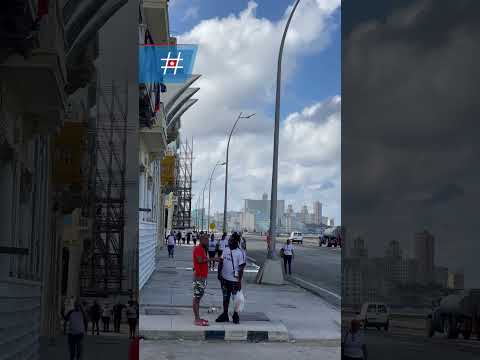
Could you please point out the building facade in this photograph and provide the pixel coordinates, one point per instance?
(261, 211)
(425, 254)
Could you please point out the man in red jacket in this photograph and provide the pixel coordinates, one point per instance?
(200, 275)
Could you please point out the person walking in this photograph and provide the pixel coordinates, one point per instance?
(106, 315)
(189, 237)
(117, 316)
(230, 274)
(222, 244)
(200, 275)
(77, 325)
(95, 313)
(243, 244)
(68, 305)
(179, 238)
(212, 251)
(194, 238)
(353, 345)
(171, 244)
(132, 316)
(288, 252)
(86, 310)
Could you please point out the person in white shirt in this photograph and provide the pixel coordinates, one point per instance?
(132, 313)
(288, 252)
(106, 315)
(212, 251)
(353, 345)
(77, 328)
(230, 274)
(171, 244)
(222, 244)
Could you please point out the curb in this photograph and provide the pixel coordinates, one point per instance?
(223, 335)
(330, 299)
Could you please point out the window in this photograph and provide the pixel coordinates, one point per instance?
(372, 308)
(382, 309)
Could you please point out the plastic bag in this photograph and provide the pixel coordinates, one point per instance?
(239, 301)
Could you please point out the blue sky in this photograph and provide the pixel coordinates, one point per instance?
(237, 55)
(318, 74)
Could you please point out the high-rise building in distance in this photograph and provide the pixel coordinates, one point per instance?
(425, 255)
(317, 212)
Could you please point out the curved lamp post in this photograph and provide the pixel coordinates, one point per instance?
(226, 169)
(210, 190)
(271, 271)
(273, 201)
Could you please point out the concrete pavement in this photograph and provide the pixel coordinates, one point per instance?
(279, 311)
(104, 346)
(214, 350)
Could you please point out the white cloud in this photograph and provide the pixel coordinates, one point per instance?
(237, 59)
(191, 13)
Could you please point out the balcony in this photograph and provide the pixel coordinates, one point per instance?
(155, 137)
(146, 113)
(17, 26)
(36, 82)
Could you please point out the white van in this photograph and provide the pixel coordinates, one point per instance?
(296, 237)
(374, 315)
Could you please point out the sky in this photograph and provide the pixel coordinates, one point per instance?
(410, 80)
(238, 47)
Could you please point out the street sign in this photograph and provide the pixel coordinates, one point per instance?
(212, 226)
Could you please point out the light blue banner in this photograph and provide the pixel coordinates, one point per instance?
(166, 63)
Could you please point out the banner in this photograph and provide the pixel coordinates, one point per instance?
(166, 63)
(69, 152)
(167, 171)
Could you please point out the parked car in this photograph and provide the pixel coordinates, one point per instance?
(296, 237)
(374, 315)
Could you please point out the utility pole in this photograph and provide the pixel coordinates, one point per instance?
(271, 271)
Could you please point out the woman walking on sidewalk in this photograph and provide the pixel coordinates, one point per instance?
(77, 325)
(287, 252)
(132, 315)
(171, 244)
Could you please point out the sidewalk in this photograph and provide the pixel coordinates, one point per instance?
(272, 313)
(95, 347)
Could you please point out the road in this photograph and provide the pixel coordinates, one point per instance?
(317, 265)
(382, 345)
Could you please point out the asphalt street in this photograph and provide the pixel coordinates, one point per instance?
(382, 346)
(317, 265)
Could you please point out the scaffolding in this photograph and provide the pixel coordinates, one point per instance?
(102, 264)
(182, 215)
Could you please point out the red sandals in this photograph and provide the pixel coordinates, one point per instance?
(201, 322)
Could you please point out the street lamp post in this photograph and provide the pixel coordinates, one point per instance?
(273, 199)
(271, 271)
(210, 190)
(226, 169)
(203, 205)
